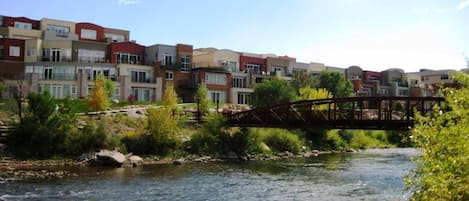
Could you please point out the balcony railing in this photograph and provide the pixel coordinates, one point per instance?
(57, 76)
(55, 59)
(146, 80)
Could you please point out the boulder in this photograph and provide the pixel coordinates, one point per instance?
(135, 160)
(110, 158)
(178, 161)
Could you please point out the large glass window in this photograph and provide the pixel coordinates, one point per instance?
(127, 58)
(14, 51)
(142, 94)
(256, 67)
(88, 34)
(215, 78)
(244, 98)
(139, 76)
(217, 96)
(185, 62)
(90, 56)
(115, 37)
(23, 25)
(60, 31)
(239, 82)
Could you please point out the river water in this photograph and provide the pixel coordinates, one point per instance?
(368, 175)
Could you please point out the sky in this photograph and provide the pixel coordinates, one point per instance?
(373, 34)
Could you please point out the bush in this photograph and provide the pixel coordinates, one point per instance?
(280, 140)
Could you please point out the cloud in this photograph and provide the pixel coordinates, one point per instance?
(128, 2)
(462, 4)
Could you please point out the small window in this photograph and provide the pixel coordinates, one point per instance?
(88, 34)
(169, 75)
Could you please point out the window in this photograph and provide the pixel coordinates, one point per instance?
(278, 68)
(217, 96)
(139, 76)
(48, 73)
(127, 58)
(244, 98)
(444, 77)
(185, 62)
(169, 75)
(60, 31)
(88, 34)
(14, 51)
(2, 51)
(215, 78)
(167, 59)
(403, 92)
(115, 37)
(142, 94)
(31, 52)
(90, 56)
(256, 67)
(239, 82)
(23, 25)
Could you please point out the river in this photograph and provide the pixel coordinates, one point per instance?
(375, 174)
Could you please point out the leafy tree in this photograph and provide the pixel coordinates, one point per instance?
(272, 91)
(442, 172)
(169, 97)
(336, 84)
(163, 129)
(99, 97)
(302, 79)
(202, 97)
(44, 127)
(308, 93)
(109, 86)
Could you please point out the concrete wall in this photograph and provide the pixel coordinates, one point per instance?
(35, 44)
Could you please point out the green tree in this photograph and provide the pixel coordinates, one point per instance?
(271, 92)
(336, 84)
(202, 97)
(308, 93)
(442, 172)
(170, 97)
(44, 127)
(99, 97)
(109, 87)
(302, 79)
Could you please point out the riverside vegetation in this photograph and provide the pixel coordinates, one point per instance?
(50, 128)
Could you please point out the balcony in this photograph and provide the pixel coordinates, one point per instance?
(91, 60)
(58, 76)
(178, 66)
(145, 80)
(53, 35)
(55, 59)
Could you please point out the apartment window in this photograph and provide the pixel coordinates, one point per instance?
(31, 52)
(90, 56)
(73, 91)
(48, 73)
(88, 34)
(169, 75)
(444, 77)
(115, 37)
(14, 51)
(127, 58)
(139, 76)
(244, 98)
(185, 62)
(256, 67)
(217, 96)
(167, 59)
(23, 25)
(403, 92)
(277, 68)
(215, 78)
(60, 31)
(239, 82)
(142, 94)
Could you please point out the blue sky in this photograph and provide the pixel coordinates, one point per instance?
(374, 34)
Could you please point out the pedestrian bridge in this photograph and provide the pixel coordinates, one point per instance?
(380, 112)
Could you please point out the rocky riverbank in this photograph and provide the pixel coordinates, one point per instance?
(13, 169)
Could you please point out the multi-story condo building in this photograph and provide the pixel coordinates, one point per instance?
(65, 58)
(174, 65)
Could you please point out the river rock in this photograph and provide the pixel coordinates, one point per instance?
(110, 158)
(135, 161)
(178, 161)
